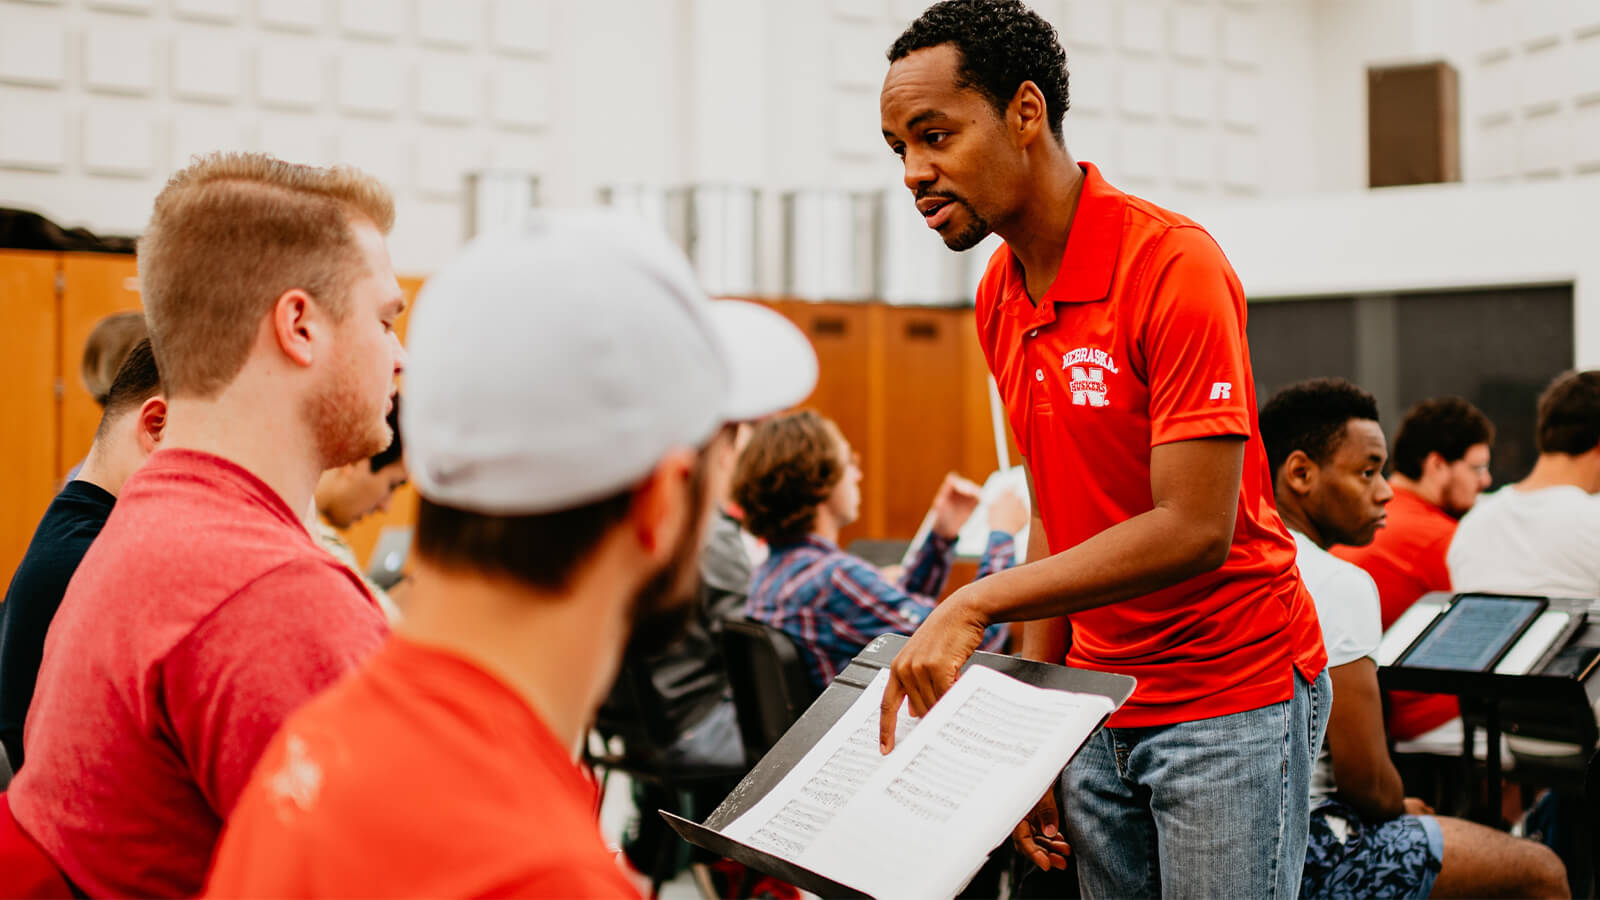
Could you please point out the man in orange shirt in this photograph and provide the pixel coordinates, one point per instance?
(565, 425)
(1441, 464)
(1116, 332)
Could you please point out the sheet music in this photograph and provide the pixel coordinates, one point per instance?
(919, 822)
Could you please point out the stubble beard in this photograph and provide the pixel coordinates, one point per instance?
(347, 425)
(971, 236)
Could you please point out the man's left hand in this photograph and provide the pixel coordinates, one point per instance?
(929, 663)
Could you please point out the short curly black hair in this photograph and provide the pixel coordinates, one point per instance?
(788, 469)
(1448, 426)
(1569, 413)
(1002, 44)
(1310, 416)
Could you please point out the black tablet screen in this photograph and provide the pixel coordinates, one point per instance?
(1472, 633)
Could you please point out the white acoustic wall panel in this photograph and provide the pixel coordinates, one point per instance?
(380, 20)
(1586, 138)
(448, 90)
(1194, 32)
(223, 11)
(35, 133)
(119, 58)
(448, 23)
(1140, 27)
(207, 64)
(377, 148)
(520, 26)
(291, 15)
(33, 50)
(371, 81)
(292, 74)
(519, 94)
(1089, 23)
(197, 131)
(295, 137)
(119, 138)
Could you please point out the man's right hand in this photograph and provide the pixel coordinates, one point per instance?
(954, 505)
(1038, 837)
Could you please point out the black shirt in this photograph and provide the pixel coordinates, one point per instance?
(69, 526)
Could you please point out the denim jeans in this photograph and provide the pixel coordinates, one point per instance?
(1217, 807)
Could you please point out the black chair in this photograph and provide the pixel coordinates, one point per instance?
(771, 686)
(630, 732)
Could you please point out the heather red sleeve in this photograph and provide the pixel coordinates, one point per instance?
(1196, 360)
(275, 644)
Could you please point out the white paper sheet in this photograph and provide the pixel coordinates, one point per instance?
(919, 822)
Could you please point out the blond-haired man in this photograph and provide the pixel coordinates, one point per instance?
(205, 613)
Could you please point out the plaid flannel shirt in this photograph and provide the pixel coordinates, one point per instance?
(833, 604)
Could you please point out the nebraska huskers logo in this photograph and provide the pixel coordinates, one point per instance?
(1088, 370)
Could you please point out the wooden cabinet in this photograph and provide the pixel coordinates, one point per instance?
(909, 388)
(29, 404)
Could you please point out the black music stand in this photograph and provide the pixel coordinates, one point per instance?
(821, 716)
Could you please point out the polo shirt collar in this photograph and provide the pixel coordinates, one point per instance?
(1090, 258)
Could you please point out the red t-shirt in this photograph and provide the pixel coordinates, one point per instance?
(1139, 342)
(1406, 559)
(424, 776)
(200, 618)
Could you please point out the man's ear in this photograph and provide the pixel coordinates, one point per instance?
(152, 422)
(1027, 114)
(1299, 472)
(662, 505)
(295, 319)
(1434, 463)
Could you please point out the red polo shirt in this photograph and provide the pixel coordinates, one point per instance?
(1407, 560)
(1141, 341)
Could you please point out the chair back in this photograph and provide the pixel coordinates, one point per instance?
(771, 687)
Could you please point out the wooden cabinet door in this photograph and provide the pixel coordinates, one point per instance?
(94, 285)
(29, 405)
(849, 345)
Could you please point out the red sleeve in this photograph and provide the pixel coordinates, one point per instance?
(275, 644)
(1196, 361)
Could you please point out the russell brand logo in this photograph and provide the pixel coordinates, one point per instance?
(1088, 370)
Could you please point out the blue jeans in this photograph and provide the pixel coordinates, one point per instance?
(1217, 807)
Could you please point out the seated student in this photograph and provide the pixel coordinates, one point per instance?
(799, 483)
(353, 491)
(108, 344)
(1441, 465)
(129, 430)
(565, 409)
(1541, 536)
(1327, 452)
(204, 613)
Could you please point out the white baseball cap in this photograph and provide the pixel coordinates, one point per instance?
(554, 364)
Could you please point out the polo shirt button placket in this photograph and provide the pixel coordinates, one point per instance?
(1038, 374)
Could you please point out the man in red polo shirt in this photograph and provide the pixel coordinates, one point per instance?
(1441, 464)
(1116, 332)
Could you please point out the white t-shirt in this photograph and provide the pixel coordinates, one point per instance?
(1346, 598)
(1545, 543)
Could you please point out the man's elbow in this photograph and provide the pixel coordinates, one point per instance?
(1207, 549)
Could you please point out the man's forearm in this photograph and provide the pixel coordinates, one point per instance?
(1044, 640)
(1143, 554)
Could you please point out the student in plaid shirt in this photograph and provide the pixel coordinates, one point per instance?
(798, 483)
